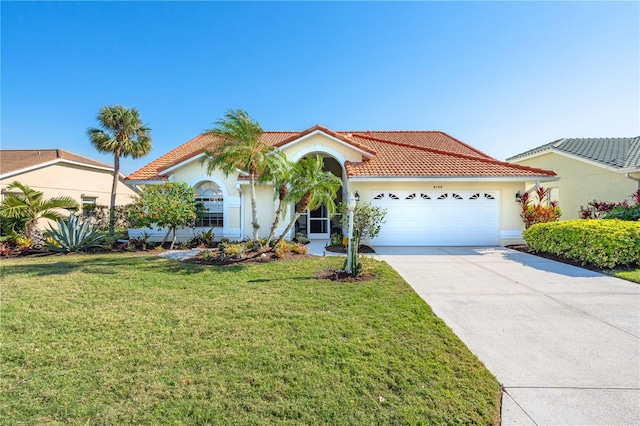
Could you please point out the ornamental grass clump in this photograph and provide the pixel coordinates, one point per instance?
(283, 248)
(602, 243)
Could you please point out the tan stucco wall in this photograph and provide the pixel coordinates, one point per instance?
(59, 180)
(66, 180)
(194, 173)
(581, 182)
(266, 210)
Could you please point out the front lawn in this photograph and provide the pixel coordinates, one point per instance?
(131, 339)
(631, 275)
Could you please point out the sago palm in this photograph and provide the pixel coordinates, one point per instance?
(29, 205)
(123, 134)
(311, 187)
(241, 150)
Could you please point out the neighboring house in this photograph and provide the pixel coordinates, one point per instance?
(437, 189)
(57, 173)
(603, 169)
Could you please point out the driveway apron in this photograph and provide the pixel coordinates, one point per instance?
(563, 341)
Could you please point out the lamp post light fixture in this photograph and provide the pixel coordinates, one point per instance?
(351, 205)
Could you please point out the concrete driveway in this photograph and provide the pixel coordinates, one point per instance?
(563, 341)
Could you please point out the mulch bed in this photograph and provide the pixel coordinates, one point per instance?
(343, 277)
(27, 253)
(262, 256)
(343, 249)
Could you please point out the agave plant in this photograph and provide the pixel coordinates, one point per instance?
(72, 234)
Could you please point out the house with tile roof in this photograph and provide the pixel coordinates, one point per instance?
(603, 169)
(437, 190)
(56, 172)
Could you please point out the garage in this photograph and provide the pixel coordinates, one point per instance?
(438, 218)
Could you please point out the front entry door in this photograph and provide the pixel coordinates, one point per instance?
(318, 223)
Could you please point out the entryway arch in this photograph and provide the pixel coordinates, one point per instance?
(316, 224)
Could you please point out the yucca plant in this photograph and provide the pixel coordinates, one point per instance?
(72, 234)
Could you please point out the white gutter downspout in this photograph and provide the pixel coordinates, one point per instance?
(632, 178)
(241, 211)
(536, 186)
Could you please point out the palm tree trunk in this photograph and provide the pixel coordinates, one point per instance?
(302, 207)
(114, 189)
(286, 231)
(254, 207)
(30, 232)
(276, 222)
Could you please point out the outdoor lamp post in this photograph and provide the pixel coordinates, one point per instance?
(351, 205)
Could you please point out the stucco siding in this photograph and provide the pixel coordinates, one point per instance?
(65, 180)
(195, 173)
(581, 182)
(58, 180)
(322, 144)
(266, 210)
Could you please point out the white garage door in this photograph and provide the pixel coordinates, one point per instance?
(438, 218)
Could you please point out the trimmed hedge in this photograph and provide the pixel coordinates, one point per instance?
(603, 243)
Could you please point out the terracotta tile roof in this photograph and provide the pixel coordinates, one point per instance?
(392, 154)
(394, 159)
(196, 146)
(433, 139)
(12, 160)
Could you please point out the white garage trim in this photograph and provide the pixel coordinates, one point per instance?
(438, 218)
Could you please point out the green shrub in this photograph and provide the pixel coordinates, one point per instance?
(11, 225)
(336, 239)
(302, 238)
(203, 239)
(603, 243)
(98, 216)
(624, 213)
(625, 210)
(110, 241)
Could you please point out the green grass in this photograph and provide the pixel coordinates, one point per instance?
(633, 275)
(131, 339)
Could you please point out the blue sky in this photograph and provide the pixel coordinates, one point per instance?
(503, 77)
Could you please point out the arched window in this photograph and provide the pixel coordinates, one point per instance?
(210, 196)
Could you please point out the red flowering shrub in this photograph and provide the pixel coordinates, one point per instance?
(606, 210)
(536, 212)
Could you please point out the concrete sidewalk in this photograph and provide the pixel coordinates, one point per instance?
(563, 341)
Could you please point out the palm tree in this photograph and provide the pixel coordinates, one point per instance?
(241, 149)
(311, 187)
(28, 205)
(122, 134)
(281, 174)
